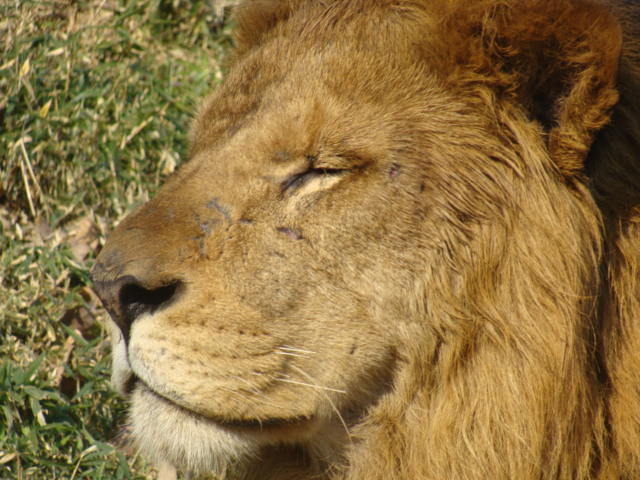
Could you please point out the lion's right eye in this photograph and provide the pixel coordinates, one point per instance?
(300, 179)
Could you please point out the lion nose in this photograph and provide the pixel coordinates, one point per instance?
(128, 297)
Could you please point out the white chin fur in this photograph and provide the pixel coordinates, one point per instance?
(166, 432)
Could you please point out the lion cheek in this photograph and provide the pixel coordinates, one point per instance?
(226, 371)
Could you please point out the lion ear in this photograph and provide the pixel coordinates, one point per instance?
(559, 58)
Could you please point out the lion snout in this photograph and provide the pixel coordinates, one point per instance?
(128, 297)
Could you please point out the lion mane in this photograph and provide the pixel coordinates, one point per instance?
(406, 246)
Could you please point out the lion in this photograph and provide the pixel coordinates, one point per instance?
(406, 246)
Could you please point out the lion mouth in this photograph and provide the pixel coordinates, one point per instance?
(247, 425)
(263, 424)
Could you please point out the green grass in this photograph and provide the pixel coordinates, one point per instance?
(95, 103)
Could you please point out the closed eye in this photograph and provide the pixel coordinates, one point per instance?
(298, 180)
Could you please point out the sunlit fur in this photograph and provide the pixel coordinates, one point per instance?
(407, 246)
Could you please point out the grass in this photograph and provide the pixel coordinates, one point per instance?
(95, 103)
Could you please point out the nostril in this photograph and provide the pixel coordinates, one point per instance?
(136, 300)
(128, 297)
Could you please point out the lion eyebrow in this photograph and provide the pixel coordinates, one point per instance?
(213, 203)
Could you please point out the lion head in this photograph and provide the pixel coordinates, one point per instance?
(405, 246)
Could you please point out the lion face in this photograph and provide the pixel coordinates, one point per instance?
(260, 292)
(278, 289)
(271, 277)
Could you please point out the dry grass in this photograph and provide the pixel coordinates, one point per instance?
(95, 101)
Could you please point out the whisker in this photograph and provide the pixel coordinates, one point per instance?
(252, 389)
(294, 349)
(238, 394)
(261, 399)
(289, 354)
(319, 387)
(252, 401)
(333, 406)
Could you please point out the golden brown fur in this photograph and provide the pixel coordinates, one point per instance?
(407, 246)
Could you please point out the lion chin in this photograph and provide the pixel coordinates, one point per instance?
(405, 246)
(169, 432)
